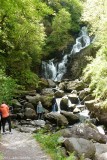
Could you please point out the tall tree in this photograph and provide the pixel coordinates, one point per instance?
(96, 71)
(22, 34)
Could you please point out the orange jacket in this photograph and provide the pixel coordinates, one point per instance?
(4, 109)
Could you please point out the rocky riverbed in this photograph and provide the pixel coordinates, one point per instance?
(79, 113)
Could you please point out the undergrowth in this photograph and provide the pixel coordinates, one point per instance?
(49, 142)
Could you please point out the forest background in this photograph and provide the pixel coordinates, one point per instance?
(33, 30)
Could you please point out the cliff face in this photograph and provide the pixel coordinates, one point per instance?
(78, 62)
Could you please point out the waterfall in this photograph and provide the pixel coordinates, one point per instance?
(54, 70)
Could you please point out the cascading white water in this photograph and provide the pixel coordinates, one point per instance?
(55, 71)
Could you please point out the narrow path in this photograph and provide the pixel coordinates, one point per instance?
(21, 146)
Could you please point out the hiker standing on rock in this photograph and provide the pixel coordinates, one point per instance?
(54, 105)
(4, 110)
(40, 110)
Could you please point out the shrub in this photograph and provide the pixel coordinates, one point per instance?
(7, 87)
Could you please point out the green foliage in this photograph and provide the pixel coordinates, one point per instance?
(60, 37)
(7, 87)
(22, 34)
(96, 71)
(65, 20)
(28, 79)
(1, 156)
(50, 143)
(31, 29)
(96, 74)
(74, 7)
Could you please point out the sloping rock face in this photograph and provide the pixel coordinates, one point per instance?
(78, 62)
(86, 131)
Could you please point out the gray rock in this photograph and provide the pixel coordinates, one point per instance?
(30, 113)
(102, 156)
(28, 105)
(86, 131)
(33, 99)
(72, 118)
(80, 146)
(51, 83)
(59, 94)
(56, 118)
(74, 98)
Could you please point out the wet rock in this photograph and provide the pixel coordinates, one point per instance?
(72, 107)
(64, 104)
(76, 110)
(72, 118)
(74, 98)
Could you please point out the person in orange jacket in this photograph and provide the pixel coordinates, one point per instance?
(4, 110)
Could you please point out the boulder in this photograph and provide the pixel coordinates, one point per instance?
(56, 118)
(51, 83)
(27, 129)
(33, 99)
(28, 105)
(16, 104)
(64, 104)
(47, 91)
(40, 123)
(47, 101)
(86, 131)
(72, 118)
(102, 156)
(90, 104)
(100, 148)
(73, 98)
(87, 98)
(80, 146)
(30, 113)
(72, 107)
(75, 85)
(62, 85)
(59, 94)
(83, 93)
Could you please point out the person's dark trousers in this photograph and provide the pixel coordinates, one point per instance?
(39, 115)
(4, 120)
